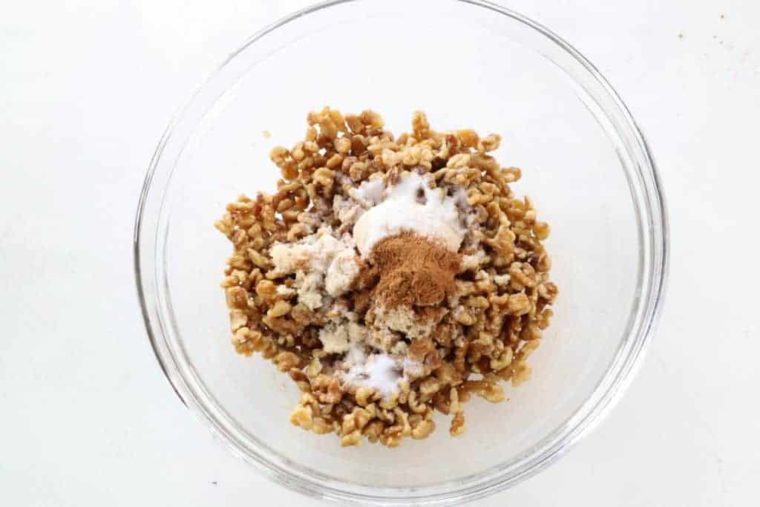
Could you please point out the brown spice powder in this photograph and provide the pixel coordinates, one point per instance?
(412, 270)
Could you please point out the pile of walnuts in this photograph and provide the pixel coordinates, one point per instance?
(481, 337)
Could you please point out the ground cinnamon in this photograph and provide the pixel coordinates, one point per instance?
(412, 270)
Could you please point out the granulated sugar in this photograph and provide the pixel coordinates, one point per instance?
(369, 192)
(411, 205)
(379, 371)
(361, 365)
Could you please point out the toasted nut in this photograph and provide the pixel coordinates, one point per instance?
(279, 309)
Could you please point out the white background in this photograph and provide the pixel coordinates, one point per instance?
(86, 417)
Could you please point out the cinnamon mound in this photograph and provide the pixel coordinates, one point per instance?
(412, 270)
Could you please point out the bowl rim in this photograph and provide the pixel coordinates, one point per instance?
(607, 392)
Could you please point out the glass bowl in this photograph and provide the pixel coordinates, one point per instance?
(467, 64)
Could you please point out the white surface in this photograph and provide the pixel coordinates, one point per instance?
(86, 417)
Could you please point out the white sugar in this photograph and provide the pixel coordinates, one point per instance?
(380, 371)
(411, 205)
(370, 191)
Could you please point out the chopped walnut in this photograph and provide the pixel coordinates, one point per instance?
(309, 315)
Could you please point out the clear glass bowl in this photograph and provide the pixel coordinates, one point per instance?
(467, 64)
